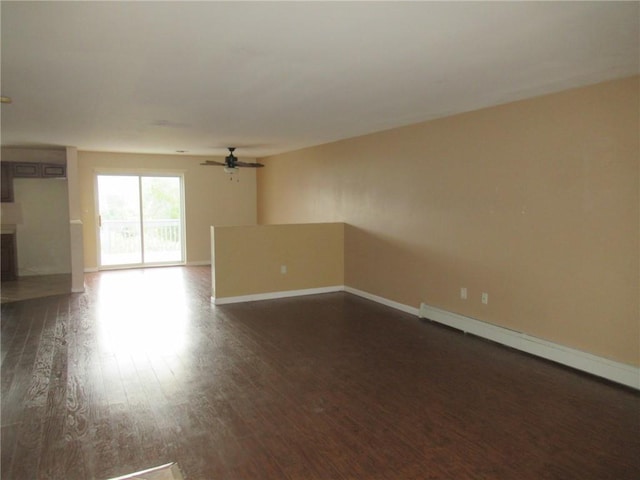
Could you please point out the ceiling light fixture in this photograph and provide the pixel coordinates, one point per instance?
(4, 99)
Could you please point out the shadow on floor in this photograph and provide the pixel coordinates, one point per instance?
(35, 287)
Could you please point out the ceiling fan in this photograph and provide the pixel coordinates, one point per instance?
(231, 162)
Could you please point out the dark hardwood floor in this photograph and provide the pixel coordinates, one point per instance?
(143, 370)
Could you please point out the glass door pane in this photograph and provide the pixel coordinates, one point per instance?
(119, 209)
(161, 219)
(140, 220)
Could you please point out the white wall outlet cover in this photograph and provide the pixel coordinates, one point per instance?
(485, 298)
(283, 269)
(463, 293)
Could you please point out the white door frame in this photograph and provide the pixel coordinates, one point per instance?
(140, 173)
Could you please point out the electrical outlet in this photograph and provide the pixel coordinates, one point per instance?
(283, 269)
(485, 298)
(463, 293)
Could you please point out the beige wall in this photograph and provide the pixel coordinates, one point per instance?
(32, 154)
(42, 239)
(535, 202)
(42, 235)
(211, 196)
(248, 259)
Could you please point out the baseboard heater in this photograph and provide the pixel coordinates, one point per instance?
(614, 371)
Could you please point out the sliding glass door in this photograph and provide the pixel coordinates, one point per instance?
(140, 220)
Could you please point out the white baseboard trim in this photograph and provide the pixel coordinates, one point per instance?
(614, 371)
(273, 295)
(198, 263)
(384, 301)
(40, 273)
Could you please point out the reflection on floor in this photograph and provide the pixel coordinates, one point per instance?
(34, 287)
(171, 471)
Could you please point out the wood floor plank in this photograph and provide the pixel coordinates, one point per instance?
(330, 386)
(28, 444)
(7, 446)
(17, 364)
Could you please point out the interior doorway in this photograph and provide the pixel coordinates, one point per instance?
(141, 220)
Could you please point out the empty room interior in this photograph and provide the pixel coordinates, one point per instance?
(320, 240)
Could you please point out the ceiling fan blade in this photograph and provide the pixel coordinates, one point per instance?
(231, 162)
(247, 164)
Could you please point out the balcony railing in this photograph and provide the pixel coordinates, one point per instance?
(121, 245)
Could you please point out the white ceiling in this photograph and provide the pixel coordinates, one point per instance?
(269, 77)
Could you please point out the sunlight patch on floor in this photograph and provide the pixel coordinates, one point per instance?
(143, 312)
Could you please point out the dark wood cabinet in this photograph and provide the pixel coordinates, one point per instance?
(26, 170)
(53, 170)
(6, 176)
(8, 257)
(36, 170)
